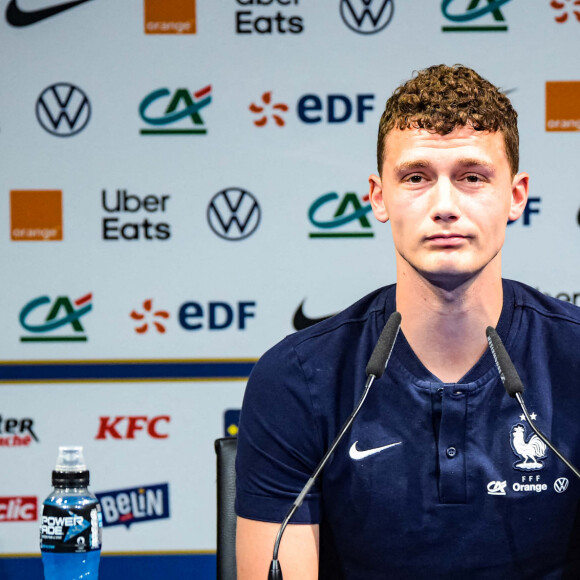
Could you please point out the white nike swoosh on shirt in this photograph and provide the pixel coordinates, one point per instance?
(356, 454)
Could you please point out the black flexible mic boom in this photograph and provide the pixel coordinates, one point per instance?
(374, 370)
(514, 387)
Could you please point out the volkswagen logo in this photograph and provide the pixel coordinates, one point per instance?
(233, 214)
(63, 110)
(561, 484)
(366, 16)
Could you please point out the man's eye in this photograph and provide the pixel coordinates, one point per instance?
(473, 178)
(415, 179)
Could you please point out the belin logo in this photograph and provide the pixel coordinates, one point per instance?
(63, 110)
(181, 112)
(329, 215)
(42, 328)
(135, 505)
(366, 16)
(170, 17)
(486, 12)
(234, 214)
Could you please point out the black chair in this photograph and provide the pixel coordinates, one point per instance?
(226, 449)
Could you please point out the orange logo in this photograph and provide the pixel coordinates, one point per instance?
(563, 106)
(566, 7)
(148, 307)
(267, 101)
(170, 17)
(35, 215)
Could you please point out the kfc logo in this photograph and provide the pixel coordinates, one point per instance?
(126, 427)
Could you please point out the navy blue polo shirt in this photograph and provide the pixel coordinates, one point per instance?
(434, 480)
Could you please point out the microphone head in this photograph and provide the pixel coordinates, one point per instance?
(383, 348)
(507, 371)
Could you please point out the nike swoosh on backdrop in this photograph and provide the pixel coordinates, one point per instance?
(300, 321)
(358, 455)
(17, 17)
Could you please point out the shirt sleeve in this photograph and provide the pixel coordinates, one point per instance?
(278, 442)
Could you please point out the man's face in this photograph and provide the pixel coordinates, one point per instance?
(448, 198)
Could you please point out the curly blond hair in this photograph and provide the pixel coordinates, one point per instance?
(441, 98)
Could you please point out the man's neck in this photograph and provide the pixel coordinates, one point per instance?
(446, 327)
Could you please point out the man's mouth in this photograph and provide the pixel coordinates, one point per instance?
(446, 239)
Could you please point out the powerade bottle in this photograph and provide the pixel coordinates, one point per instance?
(71, 523)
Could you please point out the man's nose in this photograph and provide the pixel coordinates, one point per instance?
(445, 201)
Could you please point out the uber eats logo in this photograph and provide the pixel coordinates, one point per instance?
(135, 217)
(268, 17)
(340, 216)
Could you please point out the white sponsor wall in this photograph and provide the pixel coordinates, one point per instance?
(216, 299)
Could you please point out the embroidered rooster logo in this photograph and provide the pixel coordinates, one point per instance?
(530, 451)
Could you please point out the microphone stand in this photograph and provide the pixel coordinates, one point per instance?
(374, 370)
(537, 431)
(275, 572)
(514, 387)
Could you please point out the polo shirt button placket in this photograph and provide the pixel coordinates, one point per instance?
(452, 445)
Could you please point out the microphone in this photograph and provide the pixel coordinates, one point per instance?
(514, 387)
(374, 370)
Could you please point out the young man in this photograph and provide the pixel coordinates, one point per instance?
(440, 475)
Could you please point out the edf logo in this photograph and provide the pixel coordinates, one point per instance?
(125, 427)
(312, 109)
(532, 207)
(216, 315)
(335, 109)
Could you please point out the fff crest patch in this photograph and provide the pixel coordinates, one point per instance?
(529, 450)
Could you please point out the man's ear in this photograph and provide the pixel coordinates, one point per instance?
(376, 198)
(520, 190)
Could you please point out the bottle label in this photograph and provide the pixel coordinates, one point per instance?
(71, 529)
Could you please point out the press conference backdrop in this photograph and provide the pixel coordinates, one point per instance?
(184, 183)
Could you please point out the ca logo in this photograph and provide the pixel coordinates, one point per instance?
(40, 327)
(496, 487)
(351, 224)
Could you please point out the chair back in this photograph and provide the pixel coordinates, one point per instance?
(226, 449)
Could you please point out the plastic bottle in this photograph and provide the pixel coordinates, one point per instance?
(71, 523)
